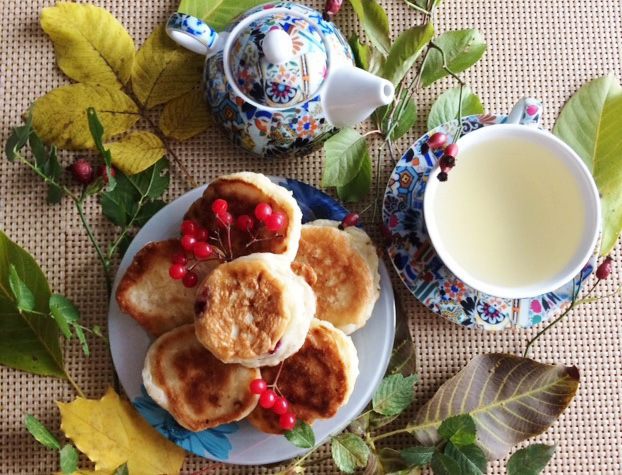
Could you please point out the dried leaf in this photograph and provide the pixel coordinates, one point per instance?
(110, 432)
(60, 116)
(163, 71)
(510, 398)
(136, 152)
(91, 45)
(185, 116)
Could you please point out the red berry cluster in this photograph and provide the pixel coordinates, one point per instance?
(193, 240)
(438, 141)
(268, 399)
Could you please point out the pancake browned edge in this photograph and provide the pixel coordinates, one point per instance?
(197, 389)
(254, 310)
(149, 295)
(316, 381)
(346, 264)
(243, 191)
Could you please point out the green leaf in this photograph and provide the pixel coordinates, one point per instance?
(68, 459)
(41, 433)
(360, 425)
(590, 123)
(470, 458)
(23, 296)
(146, 212)
(82, 339)
(375, 22)
(361, 52)
(18, 139)
(424, 3)
(301, 436)
(389, 461)
(64, 312)
(349, 452)
(360, 184)
(122, 470)
(418, 456)
(28, 342)
(97, 133)
(530, 460)
(444, 465)
(376, 420)
(462, 48)
(405, 51)
(154, 181)
(404, 357)
(345, 153)
(38, 150)
(510, 398)
(394, 395)
(460, 430)
(53, 170)
(445, 108)
(404, 117)
(217, 13)
(376, 61)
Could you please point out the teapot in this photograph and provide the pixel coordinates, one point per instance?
(280, 79)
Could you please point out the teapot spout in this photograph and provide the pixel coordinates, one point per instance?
(352, 94)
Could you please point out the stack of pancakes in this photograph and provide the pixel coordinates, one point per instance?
(281, 309)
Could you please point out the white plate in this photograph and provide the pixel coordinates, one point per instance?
(240, 443)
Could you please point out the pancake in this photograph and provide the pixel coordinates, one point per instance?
(197, 389)
(346, 264)
(243, 191)
(316, 381)
(254, 310)
(149, 295)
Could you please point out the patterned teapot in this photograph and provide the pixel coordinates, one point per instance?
(280, 78)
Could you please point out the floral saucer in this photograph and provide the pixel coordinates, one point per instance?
(240, 443)
(422, 270)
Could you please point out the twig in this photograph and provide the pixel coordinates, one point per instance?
(418, 8)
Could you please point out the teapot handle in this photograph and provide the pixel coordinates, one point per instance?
(527, 111)
(193, 33)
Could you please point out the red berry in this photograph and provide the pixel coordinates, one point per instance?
(267, 399)
(258, 386)
(262, 211)
(101, 171)
(451, 150)
(201, 234)
(351, 219)
(177, 271)
(281, 406)
(225, 219)
(188, 242)
(604, 269)
(220, 206)
(202, 250)
(245, 223)
(188, 227)
(437, 140)
(82, 171)
(287, 421)
(442, 176)
(180, 258)
(190, 279)
(275, 221)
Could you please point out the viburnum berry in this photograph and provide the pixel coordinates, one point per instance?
(442, 176)
(188, 242)
(201, 234)
(351, 219)
(224, 220)
(245, 223)
(451, 150)
(275, 221)
(220, 206)
(267, 399)
(101, 171)
(281, 406)
(437, 140)
(190, 279)
(604, 269)
(447, 161)
(188, 227)
(287, 421)
(202, 250)
(180, 258)
(177, 271)
(262, 211)
(258, 386)
(82, 171)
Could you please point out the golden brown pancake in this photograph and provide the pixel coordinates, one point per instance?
(254, 310)
(149, 295)
(346, 265)
(197, 389)
(316, 381)
(243, 191)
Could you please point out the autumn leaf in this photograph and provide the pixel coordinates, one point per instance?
(184, 116)
(163, 71)
(136, 152)
(110, 432)
(60, 117)
(91, 45)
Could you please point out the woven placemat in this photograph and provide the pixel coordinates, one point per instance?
(544, 48)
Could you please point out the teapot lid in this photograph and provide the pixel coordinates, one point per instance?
(278, 59)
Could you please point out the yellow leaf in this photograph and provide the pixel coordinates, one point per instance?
(185, 116)
(91, 45)
(136, 152)
(89, 472)
(59, 117)
(110, 432)
(163, 71)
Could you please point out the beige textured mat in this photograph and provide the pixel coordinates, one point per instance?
(546, 48)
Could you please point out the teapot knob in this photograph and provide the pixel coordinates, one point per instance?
(277, 46)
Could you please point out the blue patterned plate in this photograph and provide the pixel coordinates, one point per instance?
(240, 443)
(422, 270)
